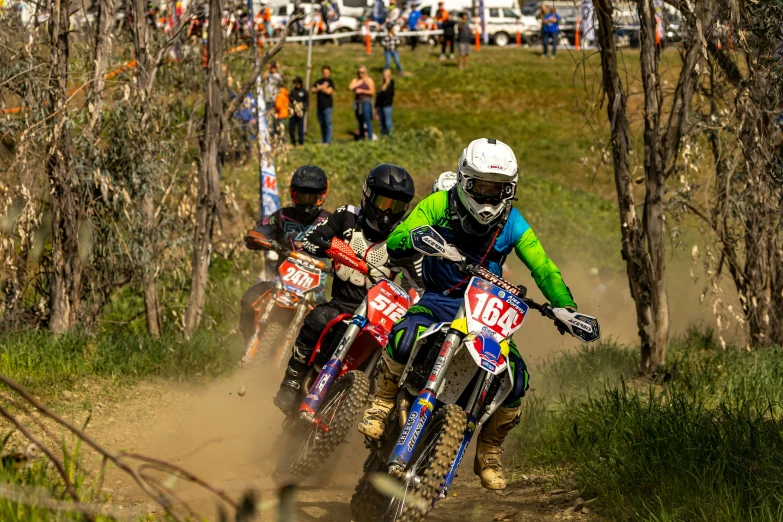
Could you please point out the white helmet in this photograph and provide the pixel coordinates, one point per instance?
(487, 179)
(444, 182)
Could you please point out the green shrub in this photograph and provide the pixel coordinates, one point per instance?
(707, 445)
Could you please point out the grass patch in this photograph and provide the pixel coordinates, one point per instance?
(46, 364)
(708, 445)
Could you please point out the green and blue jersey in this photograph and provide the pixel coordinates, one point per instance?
(441, 275)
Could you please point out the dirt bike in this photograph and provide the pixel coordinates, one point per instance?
(297, 290)
(457, 376)
(339, 389)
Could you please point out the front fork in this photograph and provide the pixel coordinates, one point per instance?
(475, 407)
(421, 412)
(331, 369)
(284, 351)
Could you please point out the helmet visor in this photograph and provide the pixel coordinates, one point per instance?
(484, 191)
(387, 205)
(308, 198)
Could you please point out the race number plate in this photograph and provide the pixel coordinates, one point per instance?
(298, 279)
(387, 303)
(492, 310)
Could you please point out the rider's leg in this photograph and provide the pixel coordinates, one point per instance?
(430, 309)
(298, 365)
(247, 314)
(487, 463)
(387, 376)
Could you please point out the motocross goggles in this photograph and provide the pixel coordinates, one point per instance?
(308, 198)
(387, 205)
(489, 192)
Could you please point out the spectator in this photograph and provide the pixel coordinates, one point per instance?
(390, 43)
(363, 88)
(282, 102)
(266, 18)
(272, 81)
(413, 22)
(323, 90)
(441, 14)
(246, 117)
(383, 102)
(393, 14)
(298, 111)
(542, 13)
(448, 36)
(464, 39)
(551, 30)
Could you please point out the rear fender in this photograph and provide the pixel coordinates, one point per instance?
(434, 329)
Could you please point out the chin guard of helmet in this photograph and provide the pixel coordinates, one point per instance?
(342, 254)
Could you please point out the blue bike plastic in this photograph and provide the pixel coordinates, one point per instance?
(419, 416)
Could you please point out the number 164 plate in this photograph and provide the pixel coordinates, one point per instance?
(492, 310)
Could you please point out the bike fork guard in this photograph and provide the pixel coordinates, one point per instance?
(418, 417)
(321, 387)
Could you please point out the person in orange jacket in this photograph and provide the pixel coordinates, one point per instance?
(282, 101)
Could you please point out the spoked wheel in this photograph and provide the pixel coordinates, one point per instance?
(308, 444)
(427, 469)
(261, 346)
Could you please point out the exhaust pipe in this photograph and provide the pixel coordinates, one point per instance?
(404, 401)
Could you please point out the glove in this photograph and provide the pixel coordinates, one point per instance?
(341, 253)
(257, 241)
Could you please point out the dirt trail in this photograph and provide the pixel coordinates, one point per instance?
(229, 441)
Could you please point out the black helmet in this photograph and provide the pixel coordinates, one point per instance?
(386, 194)
(308, 191)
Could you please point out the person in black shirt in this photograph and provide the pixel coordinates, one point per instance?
(387, 192)
(383, 102)
(298, 111)
(448, 26)
(323, 90)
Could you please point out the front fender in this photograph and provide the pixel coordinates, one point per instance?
(487, 353)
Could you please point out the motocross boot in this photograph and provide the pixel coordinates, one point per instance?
(487, 462)
(290, 388)
(387, 378)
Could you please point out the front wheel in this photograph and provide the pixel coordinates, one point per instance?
(425, 473)
(309, 443)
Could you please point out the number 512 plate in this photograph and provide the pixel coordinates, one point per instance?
(491, 310)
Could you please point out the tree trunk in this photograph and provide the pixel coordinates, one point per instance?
(143, 72)
(654, 170)
(638, 265)
(103, 38)
(66, 214)
(207, 211)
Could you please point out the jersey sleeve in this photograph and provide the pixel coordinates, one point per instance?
(544, 271)
(318, 240)
(427, 212)
(271, 226)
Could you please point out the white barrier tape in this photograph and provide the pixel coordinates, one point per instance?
(351, 34)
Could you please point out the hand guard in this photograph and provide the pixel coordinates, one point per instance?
(257, 241)
(342, 254)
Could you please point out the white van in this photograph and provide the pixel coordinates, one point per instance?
(503, 18)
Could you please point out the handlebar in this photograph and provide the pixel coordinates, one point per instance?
(256, 239)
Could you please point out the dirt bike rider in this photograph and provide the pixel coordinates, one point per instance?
(477, 217)
(288, 227)
(444, 182)
(387, 192)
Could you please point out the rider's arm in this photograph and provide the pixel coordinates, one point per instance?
(271, 226)
(319, 239)
(427, 212)
(544, 271)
